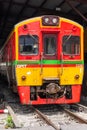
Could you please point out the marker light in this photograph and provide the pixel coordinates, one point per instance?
(74, 28)
(25, 27)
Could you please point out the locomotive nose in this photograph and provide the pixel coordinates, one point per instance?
(52, 88)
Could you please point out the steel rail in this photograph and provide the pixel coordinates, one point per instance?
(45, 118)
(80, 105)
(75, 116)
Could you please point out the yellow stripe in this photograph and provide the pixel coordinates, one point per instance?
(28, 21)
(71, 21)
(82, 42)
(16, 48)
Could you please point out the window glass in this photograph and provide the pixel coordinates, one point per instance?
(50, 44)
(71, 45)
(28, 44)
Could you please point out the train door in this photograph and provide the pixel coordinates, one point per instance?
(49, 55)
(50, 46)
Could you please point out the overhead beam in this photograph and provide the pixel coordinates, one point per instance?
(81, 1)
(61, 3)
(39, 7)
(77, 6)
(77, 11)
(22, 10)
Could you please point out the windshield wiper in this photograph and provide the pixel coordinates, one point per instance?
(67, 38)
(33, 37)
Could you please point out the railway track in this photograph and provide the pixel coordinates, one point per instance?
(46, 119)
(45, 116)
(76, 116)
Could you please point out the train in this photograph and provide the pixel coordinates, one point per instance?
(43, 60)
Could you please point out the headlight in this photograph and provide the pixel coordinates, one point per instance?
(50, 20)
(54, 20)
(46, 20)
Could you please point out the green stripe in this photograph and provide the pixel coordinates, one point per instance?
(47, 62)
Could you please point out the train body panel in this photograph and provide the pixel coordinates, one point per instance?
(34, 77)
(26, 99)
(43, 60)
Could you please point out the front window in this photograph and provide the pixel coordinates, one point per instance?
(71, 45)
(28, 44)
(50, 44)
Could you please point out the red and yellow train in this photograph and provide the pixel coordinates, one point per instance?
(43, 60)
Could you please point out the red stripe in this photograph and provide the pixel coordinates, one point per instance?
(64, 65)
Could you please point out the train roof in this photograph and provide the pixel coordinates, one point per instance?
(62, 18)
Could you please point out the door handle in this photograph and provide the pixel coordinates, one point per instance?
(41, 62)
(61, 58)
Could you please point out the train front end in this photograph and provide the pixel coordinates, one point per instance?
(49, 60)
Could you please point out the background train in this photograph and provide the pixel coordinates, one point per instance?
(43, 60)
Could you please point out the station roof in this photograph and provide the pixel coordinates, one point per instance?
(13, 11)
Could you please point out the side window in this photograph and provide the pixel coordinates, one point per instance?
(28, 44)
(71, 45)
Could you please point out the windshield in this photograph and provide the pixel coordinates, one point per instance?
(28, 44)
(71, 45)
(50, 44)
